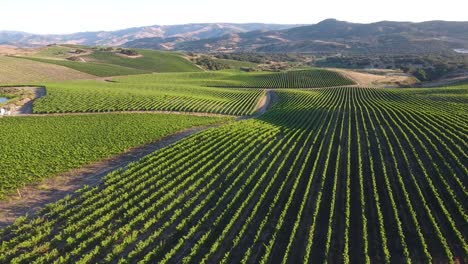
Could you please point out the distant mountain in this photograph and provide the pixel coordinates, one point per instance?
(174, 33)
(328, 36)
(333, 36)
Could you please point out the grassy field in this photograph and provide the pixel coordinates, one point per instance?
(53, 52)
(22, 71)
(334, 175)
(233, 64)
(151, 61)
(111, 63)
(96, 69)
(34, 148)
(167, 92)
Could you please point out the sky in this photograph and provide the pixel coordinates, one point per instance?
(66, 16)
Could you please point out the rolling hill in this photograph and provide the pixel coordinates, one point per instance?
(105, 62)
(184, 32)
(333, 36)
(21, 71)
(328, 36)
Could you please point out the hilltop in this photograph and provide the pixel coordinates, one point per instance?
(333, 36)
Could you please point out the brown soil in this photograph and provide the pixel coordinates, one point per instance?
(384, 78)
(30, 199)
(262, 106)
(15, 71)
(12, 50)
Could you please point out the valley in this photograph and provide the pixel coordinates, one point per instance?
(278, 151)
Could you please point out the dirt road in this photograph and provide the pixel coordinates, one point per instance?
(30, 199)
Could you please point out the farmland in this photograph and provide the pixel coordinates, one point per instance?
(34, 148)
(291, 79)
(186, 92)
(21, 71)
(111, 63)
(335, 175)
(162, 92)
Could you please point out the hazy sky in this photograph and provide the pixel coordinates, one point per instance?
(66, 16)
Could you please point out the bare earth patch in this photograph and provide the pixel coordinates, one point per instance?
(379, 78)
(22, 71)
(12, 50)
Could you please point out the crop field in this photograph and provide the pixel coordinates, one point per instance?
(333, 175)
(33, 148)
(103, 64)
(151, 61)
(96, 69)
(291, 79)
(21, 71)
(162, 92)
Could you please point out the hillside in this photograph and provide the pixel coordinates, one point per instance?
(21, 71)
(333, 36)
(183, 32)
(105, 62)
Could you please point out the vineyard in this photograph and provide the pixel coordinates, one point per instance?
(33, 148)
(291, 79)
(161, 92)
(333, 175)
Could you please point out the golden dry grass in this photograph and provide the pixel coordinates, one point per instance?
(21, 71)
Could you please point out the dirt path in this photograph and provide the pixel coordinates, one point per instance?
(262, 105)
(34, 197)
(384, 79)
(30, 199)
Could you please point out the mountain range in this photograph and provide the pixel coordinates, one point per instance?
(186, 32)
(328, 36)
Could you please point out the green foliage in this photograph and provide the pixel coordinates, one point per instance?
(214, 64)
(167, 92)
(210, 64)
(150, 61)
(289, 79)
(97, 69)
(331, 175)
(423, 67)
(107, 62)
(34, 148)
(54, 52)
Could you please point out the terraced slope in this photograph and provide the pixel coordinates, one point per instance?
(21, 71)
(328, 175)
